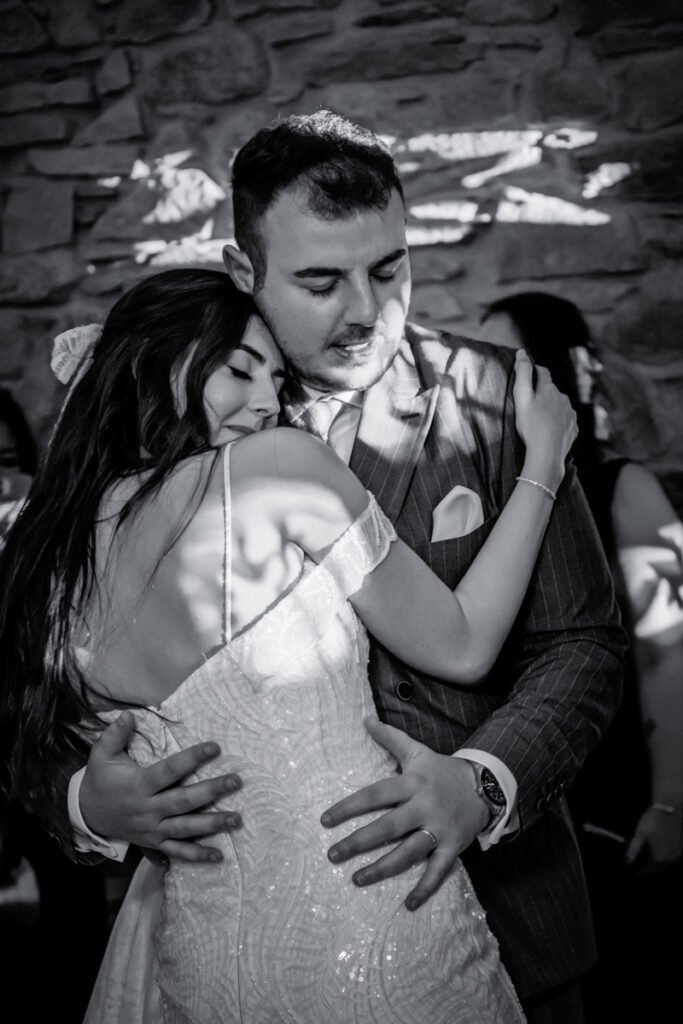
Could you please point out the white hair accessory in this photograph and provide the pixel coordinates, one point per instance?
(72, 352)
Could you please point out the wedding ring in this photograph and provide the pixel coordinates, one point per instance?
(431, 836)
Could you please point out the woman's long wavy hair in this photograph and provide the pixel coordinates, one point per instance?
(120, 418)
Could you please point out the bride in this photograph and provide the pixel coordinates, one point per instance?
(177, 558)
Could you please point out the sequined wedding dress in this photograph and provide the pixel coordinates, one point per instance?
(276, 933)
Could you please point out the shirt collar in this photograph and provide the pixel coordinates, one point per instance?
(352, 398)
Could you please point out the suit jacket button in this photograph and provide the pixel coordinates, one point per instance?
(541, 803)
(404, 690)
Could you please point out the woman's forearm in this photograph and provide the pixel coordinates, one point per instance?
(494, 587)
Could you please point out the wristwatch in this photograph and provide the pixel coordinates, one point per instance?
(490, 792)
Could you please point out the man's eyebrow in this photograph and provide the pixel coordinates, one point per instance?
(397, 254)
(319, 272)
(338, 272)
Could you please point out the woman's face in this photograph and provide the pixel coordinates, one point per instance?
(243, 395)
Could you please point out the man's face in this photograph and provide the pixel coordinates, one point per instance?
(336, 292)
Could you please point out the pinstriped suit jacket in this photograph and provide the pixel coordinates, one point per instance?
(442, 415)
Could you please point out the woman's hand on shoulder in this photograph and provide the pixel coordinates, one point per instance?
(544, 418)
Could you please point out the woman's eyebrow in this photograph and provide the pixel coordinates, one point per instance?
(255, 354)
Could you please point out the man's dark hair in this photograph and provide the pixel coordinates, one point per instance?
(342, 166)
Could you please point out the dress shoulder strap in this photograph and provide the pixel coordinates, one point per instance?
(227, 549)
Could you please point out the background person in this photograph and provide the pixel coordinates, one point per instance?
(632, 785)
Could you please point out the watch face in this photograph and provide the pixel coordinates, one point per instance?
(490, 786)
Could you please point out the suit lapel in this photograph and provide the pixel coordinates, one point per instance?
(397, 414)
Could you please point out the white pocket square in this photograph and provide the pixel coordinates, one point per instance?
(459, 513)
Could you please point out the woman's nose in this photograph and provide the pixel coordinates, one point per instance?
(265, 401)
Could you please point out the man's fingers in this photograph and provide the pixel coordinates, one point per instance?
(438, 867)
(192, 853)
(186, 799)
(398, 743)
(376, 797)
(190, 826)
(414, 848)
(178, 766)
(115, 738)
(389, 827)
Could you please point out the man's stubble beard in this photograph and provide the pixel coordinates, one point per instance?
(304, 374)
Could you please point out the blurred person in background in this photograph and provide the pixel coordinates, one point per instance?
(628, 798)
(18, 458)
(53, 913)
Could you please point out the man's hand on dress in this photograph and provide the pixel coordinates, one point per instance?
(150, 807)
(433, 792)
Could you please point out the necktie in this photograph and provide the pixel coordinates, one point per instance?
(321, 415)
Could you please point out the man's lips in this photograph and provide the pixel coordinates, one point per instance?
(356, 344)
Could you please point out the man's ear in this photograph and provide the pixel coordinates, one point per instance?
(238, 266)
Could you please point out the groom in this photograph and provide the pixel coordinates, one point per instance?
(426, 421)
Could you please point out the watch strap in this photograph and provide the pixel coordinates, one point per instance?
(489, 790)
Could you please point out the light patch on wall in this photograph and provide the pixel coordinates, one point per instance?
(198, 248)
(140, 170)
(527, 156)
(471, 145)
(464, 211)
(436, 235)
(604, 177)
(187, 192)
(520, 206)
(570, 138)
(173, 159)
(113, 182)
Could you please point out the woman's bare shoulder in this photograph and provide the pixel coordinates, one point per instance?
(280, 453)
(286, 472)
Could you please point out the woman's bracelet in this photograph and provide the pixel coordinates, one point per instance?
(666, 808)
(528, 480)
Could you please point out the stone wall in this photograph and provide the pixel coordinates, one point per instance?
(540, 144)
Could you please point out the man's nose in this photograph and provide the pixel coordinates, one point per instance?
(362, 307)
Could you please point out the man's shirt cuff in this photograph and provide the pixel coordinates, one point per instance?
(509, 821)
(84, 840)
